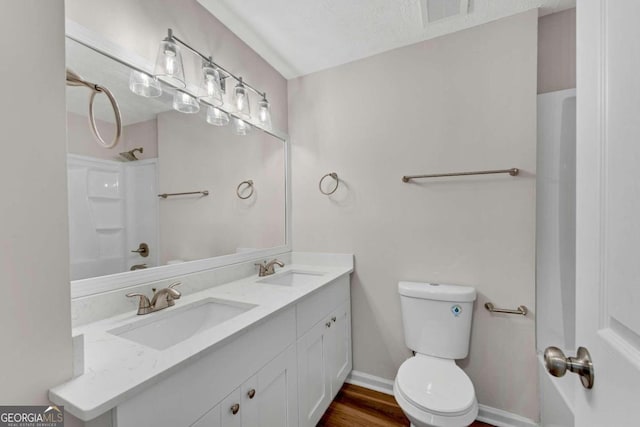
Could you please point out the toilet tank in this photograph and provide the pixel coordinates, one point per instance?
(437, 318)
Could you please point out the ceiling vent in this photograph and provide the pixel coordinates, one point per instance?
(437, 10)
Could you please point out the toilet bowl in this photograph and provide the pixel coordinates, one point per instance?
(429, 387)
(435, 392)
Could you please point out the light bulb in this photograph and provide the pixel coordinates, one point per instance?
(240, 100)
(185, 103)
(144, 85)
(241, 127)
(170, 62)
(216, 116)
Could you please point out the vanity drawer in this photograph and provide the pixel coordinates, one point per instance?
(183, 397)
(315, 307)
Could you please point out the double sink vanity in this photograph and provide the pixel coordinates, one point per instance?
(259, 351)
(231, 345)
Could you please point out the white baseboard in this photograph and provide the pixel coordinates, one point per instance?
(500, 418)
(487, 414)
(371, 382)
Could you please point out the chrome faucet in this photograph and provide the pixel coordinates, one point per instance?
(267, 268)
(162, 299)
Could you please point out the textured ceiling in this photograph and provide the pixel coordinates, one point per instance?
(299, 37)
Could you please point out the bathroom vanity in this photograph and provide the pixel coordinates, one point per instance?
(270, 351)
(235, 349)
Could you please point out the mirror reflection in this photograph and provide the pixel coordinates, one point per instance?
(127, 207)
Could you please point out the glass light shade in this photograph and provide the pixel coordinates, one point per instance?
(217, 117)
(264, 113)
(185, 103)
(241, 127)
(241, 101)
(211, 89)
(144, 85)
(169, 63)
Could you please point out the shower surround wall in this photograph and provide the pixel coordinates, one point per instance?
(466, 101)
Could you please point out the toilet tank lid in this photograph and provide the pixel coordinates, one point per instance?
(437, 291)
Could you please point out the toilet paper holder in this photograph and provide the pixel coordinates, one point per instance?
(521, 310)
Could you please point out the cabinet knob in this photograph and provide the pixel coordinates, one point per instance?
(251, 393)
(333, 319)
(235, 408)
(328, 324)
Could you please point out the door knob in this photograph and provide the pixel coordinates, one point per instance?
(558, 364)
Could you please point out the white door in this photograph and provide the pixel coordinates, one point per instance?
(608, 210)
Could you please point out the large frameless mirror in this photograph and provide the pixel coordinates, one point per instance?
(178, 187)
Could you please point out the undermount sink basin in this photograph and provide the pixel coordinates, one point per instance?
(163, 330)
(292, 278)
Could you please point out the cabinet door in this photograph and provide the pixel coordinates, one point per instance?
(314, 386)
(210, 419)
(340, 362)
(249, 398)
(276, 394)
(230, 414)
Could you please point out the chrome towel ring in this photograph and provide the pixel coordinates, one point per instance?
(74, 79)
(332, 175)
(249, 184)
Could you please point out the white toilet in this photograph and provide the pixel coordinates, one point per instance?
(430, 388)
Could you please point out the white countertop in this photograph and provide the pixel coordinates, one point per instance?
(116, 368)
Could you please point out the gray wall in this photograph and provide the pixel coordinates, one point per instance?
(34, 257)
(465, 101)
(218, 160)
(557, 51)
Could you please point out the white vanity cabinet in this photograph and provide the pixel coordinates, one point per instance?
(324, 352)
(269, 398)
(282, 372)
(214, 381)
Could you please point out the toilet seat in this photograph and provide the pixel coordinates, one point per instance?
(437, 386)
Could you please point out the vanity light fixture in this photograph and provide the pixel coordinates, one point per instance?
(216, 116)
(185, 103)
(170, 69)
(144, 85)
(169, 66)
